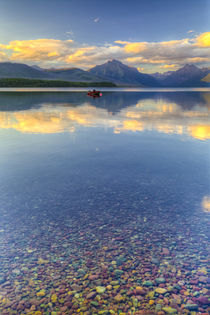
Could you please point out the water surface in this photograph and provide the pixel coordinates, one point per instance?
(104, 202)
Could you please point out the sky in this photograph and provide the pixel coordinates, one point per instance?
(152, 35)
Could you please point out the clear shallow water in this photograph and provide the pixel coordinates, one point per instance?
(100, 190)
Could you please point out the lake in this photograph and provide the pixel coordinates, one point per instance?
(104, 202)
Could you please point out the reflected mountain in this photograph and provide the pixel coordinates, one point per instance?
(111, 101)
(183, 113)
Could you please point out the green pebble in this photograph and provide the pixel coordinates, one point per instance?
(148, 283)
(120, 261)
(100, 289)
(158, 307)
(196, 293)
(160, 280)
(169, 310)
(118, 272)
(135, 302)
(176, 286)
(94, 303)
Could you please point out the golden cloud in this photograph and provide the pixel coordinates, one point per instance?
(203, 40)
(135, 48)
(87, 56)
(38, 49)
(2, 56)
(152, 61)
(80, 55)
(121, 42)
(169, 66)
(140, 69)
(167, 54)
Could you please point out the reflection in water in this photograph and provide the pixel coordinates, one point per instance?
(97, 223)
(158, 113)
(206, 203)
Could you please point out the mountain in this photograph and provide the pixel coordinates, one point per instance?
(20, 70)
(160, 76)
(187, 76)
(112, 71)
(73, 74)
(37, 68)
(118, 73)
(206, 78)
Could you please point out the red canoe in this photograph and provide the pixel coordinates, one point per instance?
(94, 93)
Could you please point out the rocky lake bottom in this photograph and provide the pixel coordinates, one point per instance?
(100, 222)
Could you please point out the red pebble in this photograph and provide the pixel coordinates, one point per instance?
(139, 292)
(203, 300)
(93, 277)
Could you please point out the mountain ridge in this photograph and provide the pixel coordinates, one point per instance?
(189, 75)
(112, 71)
(120, 73)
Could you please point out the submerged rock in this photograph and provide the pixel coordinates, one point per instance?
(160, 290)
(191, 307)
(160, 280)
(2, 280)
(147, 283)
(100, 289)
(169, 310)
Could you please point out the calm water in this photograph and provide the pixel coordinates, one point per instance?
(104, 202)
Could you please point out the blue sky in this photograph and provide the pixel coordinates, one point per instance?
(100, 23)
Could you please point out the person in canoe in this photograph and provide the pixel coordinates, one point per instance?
(94, 93)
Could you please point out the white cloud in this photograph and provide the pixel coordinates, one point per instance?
(70, 33)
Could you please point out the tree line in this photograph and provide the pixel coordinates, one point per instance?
(20, 82)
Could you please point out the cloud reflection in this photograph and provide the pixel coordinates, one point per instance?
(148, 114)
(206, 203)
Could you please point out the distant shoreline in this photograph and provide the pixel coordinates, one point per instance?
(102, 89)
(23, 83)
(36, 83)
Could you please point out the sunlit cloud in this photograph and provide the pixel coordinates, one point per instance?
(2, 56)
(169, 66)
(135, 48)
(38, 50)
(148, 55)
(86, 56)
(203, 40)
